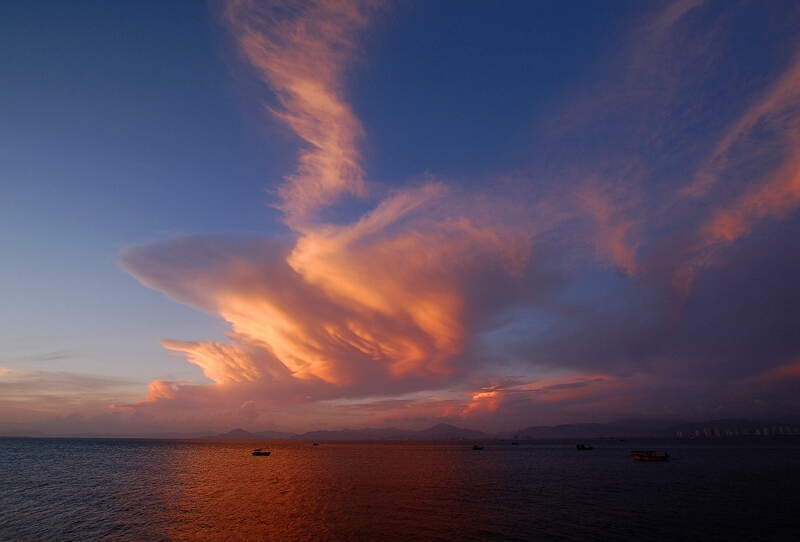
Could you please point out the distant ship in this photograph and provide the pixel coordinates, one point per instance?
(476, 447)
(582, 448)
(259, 451)
(648, 455)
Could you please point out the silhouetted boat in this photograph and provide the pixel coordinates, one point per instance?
(476, 447)
(648, 455)
(582, 448)
(259, 451)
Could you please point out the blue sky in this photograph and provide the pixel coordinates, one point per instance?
(118, 127)
(492, 214)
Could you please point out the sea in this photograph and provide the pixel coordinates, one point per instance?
(725, 489)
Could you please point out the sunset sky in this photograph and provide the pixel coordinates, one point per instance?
(295, 216)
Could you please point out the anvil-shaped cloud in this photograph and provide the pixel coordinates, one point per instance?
(382, 300)
(611, 285)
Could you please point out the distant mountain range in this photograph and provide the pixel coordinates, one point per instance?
(624, 428)
(441, 431)
(444, 432)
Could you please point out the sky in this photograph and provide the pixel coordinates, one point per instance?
(326, 214)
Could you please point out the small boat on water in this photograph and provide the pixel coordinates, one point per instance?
(476, 447)
(259, 451)
(648, 455)
(584, 448)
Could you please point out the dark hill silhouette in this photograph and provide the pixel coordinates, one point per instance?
(241, 434)
(445, 431)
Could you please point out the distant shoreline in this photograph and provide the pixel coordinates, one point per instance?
(709, 430)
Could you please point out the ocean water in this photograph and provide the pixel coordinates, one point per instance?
(733, 489)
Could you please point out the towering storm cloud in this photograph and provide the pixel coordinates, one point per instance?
(642, 263)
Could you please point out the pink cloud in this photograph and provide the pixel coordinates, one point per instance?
(611, 218)
(773, 192)
(398, 301)
(301, 52)
(789, 372)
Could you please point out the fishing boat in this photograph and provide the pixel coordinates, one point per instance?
(259, 451)
(584, 448)
(648, 455)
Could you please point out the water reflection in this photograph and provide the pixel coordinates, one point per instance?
(207, 490)
(334, 490)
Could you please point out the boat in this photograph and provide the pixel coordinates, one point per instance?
(476, 447)
(648, 455)
(259, 451)
(583, 448)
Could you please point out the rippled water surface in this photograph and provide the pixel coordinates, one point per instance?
(84, 489)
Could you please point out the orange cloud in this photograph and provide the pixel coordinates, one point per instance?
(510, 404)
(554, 390)
(379, 300)
(384, 300)
(159, 390)
(224, 363)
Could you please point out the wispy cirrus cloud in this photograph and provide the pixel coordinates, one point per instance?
(301, 51)
(28, 394)
(759, 156)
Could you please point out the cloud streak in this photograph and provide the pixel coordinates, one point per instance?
(301, 51)
(27, 395)
(765, 144)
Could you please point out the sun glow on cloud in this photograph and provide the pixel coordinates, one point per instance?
(395, 301)
(384, 295)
